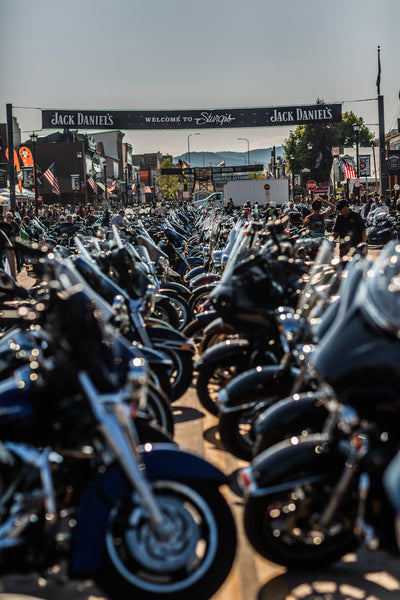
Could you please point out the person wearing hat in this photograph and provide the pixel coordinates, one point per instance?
(349, 228)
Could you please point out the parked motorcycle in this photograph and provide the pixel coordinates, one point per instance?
(144, 522)
(311, 500)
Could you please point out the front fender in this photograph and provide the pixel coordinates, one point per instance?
(218, 326)
(162, 461)
(179, 288)
(224, 350)
(288, 410)
(270, 467)
(193, 273)
(165, 337)
(252, 384)
(205, 278)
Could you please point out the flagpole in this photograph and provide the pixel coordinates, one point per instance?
(381, 121)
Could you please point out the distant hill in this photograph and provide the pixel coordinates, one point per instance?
(261, 156)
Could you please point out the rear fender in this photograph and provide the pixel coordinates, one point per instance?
(163, 462)
(252, 385)
(223, 350)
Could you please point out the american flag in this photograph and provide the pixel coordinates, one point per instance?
(51, 177)
(147, 189)
(349, 170)
(133, 188)
(111, 187)
(93, 184)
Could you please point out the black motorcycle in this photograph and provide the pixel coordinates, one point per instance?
(142, 521)
(311, 500)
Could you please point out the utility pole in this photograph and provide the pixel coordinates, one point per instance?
(10, 143)
(381, 121)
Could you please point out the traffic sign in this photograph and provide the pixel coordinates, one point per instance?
(311, 185)
(267, 186)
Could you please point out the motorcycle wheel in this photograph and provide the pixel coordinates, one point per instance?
(198, 297)
(192, 561)
(182, 308)
(282, 526)
(237, 434)
(182, 373)
(212, 378)
(165, 311)
(158, 409)
(236, 429)
(195, 331)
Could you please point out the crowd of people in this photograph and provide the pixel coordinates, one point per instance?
(311, 214)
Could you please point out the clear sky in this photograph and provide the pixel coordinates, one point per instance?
(180, 54)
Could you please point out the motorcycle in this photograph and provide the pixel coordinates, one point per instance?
(311, 500)
(381, 229)
(142, 521)
(254, 284)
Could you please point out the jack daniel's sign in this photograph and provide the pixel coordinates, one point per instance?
(192, 119)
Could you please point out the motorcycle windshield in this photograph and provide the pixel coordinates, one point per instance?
(69, 276)
(324, 257)
(380, 297)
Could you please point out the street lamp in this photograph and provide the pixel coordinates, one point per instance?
(79, 157)
(189, 136)
(310, 147)
(126, 184)
(357, 129)
(291, 163)
(248, 149)
(34, 139)
(105, 178)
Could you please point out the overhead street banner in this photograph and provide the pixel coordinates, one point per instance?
(192, 119)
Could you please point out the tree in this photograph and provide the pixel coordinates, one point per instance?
(322, 138)
(169, 184)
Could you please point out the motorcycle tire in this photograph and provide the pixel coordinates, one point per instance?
(195, 331)
(182, 308)
(198, 297)
(165, 311)
(182, 373)
(282, 525)
(193, 564)
(158, 409)
(214, 377)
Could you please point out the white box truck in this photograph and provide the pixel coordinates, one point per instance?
(262, 191)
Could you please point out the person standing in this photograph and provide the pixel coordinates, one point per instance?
(349, 228)
(315, 221)
(119, 218)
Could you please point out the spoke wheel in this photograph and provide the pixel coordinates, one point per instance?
(192, 558)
